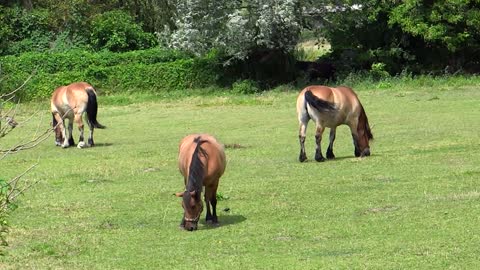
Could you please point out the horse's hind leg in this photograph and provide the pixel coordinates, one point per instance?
(330, 154)
(70, 133)
(79, 122)
(318, 139)
(90, 136)
(301, 137)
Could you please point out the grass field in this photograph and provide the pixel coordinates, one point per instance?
(414, 204)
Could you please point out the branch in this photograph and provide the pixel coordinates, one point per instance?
(11, 94)
(14, 191)
(28, 145)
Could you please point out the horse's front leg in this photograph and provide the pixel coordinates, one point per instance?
(353, 129)
(318, 139)
(79, 122)
(211, 199)
(330, 154)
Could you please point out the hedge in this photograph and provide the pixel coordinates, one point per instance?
(151, 70)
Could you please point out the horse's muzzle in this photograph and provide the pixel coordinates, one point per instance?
(365, 152)
(191, 228)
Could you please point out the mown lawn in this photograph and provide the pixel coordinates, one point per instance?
(414, 204)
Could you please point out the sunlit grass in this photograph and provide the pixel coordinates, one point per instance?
(412, 205)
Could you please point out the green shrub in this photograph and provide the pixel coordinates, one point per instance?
(153, 70)
(117, 31)
(245, 87)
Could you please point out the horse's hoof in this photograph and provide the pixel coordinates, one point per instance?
(65, 145)
(330, 156)
(81, 145)
(302, 158)
(320, 159)
(213, 223)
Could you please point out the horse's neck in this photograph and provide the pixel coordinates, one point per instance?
(194, 184)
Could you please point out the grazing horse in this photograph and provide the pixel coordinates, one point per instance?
(331, 107)
(70, 102)
(201, 161)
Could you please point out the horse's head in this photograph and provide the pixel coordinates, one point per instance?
(364, 135)
(193, 206)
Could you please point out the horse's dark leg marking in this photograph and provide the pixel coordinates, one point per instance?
(303, 155)
(330, 154)
(90, 137)
(302, 134)
(208, 217)
(70, 133)
(79, 122)
(318, 139)
(211, 200)
(214, 208)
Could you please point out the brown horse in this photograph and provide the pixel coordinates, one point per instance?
(70, 102)
(331, 107)
(201, 161)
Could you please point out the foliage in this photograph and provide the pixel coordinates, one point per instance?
(116, 31)
(454, 24)
(421, 36)
(245, 87)
(22, 31)
(237, 28)
(151, 70)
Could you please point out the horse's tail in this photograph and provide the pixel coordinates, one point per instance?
(197, 168)
(92, 108)
(319, 104)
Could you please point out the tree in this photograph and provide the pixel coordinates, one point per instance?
(237, 28)
(117, 31)
(448, 28)
(417, 35)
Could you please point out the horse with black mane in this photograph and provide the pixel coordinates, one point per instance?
(202, 162)
(331, 107)
(70, 102)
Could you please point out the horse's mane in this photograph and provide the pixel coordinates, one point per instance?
(363, 123)
(197, 168)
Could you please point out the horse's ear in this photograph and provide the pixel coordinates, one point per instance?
(179, 194)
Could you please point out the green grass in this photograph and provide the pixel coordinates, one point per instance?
(414, 204)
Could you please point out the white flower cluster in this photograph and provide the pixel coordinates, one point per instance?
(235, 27)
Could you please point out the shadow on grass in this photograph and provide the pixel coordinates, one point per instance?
(312, 160)
(102, 145)
(225, 221)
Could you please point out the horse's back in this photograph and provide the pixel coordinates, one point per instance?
(343, 98)
(70, 97)
(214, 163)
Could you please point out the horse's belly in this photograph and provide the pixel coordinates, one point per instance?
(65, 111)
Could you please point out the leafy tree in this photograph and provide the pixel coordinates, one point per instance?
(413, 34)
(235, 27)
(448, 28)
(116, 31)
